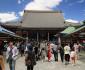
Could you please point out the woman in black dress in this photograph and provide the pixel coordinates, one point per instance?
(30, 60)
(61, 53)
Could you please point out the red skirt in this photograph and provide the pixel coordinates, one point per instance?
(49, 55)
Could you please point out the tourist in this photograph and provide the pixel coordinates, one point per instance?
(67, 54)
(72, 55)
(39, 53)
(61, 50)
(76, 48)
(12, 53)
(30, 60)
(2, 64)
(49, 54)
(28, 44)
(42, 44)
(55, 51)
(43, 54)
(36, 50)
(22, 48)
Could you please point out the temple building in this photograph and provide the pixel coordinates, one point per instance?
(39, 25)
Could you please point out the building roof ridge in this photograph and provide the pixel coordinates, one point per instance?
(43, 11)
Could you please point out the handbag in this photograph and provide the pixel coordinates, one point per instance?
(15, 57)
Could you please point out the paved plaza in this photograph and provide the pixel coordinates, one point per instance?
(20, 65)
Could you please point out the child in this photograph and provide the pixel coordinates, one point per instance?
(73, 55)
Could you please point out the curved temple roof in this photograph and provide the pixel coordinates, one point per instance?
(43, 19)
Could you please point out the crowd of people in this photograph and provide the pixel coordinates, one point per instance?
(38, 51)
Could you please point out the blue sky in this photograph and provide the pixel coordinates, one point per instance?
(72, 9)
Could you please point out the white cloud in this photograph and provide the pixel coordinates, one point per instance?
(42, 4)
(19, 1)
(71, 20)
(21, 13)
(6, 17)
(80, 1)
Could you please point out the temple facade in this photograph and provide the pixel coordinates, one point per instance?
(39, 25)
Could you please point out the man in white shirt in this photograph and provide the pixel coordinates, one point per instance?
(67, 54)
(12, 53)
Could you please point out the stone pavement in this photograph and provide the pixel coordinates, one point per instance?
(49, 65)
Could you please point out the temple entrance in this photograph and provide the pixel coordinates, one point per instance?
(43, 36)
(40, 35)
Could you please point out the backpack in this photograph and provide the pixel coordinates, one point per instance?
(30, 59)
